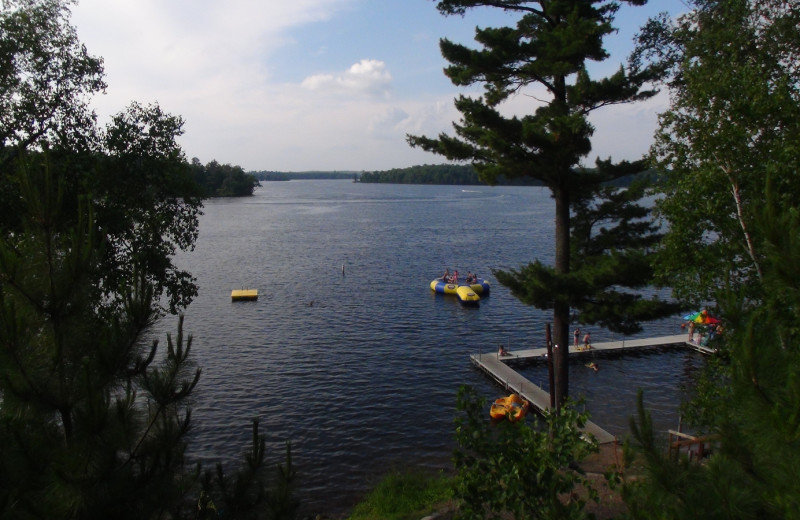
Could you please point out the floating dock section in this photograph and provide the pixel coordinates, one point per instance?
(239, 295)
(497, 368)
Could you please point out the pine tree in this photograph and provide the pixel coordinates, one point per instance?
(550, 47)
(614, 240)
(92, 419)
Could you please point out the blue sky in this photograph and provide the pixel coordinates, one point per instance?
(297, 85)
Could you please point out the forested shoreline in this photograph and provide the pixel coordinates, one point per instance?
(466, 175)
(222, 180)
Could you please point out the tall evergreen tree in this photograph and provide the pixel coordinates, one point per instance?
(550, 46)
(614, 241)
(92, 422)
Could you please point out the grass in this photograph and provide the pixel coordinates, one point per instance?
(405, 496)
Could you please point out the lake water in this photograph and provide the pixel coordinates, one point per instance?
(360, 370)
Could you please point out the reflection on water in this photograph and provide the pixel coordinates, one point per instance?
(360, 371)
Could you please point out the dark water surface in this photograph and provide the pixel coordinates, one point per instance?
(360, 371)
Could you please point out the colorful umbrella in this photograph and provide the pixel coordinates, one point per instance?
(702, 317)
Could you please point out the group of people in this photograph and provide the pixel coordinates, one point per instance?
(448, 278)
(702, 334)
(587, 345)
(586, 340)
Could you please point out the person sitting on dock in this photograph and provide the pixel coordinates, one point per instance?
(503, 352)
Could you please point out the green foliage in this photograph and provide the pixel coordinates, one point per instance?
(549, 46)
(37, 43)
(404, 496)
(613, 238)
(514, 469)
(93, 419)
(733, 130)
(425, 174)
(93, 423)
(729, 127)
(145, 204)
(713, 386)
(251, 492)
(439, 174)
(751, 403)
(223, 180)
(46, 78)
(676, 488)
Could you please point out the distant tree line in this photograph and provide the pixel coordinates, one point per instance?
(222, 180)
(264, 175)
(425, 174)
(460, 174)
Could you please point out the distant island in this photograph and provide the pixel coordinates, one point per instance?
(457, 174)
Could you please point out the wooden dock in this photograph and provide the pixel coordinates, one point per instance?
(497, 368)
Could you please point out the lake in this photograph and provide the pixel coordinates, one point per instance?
(348, 354)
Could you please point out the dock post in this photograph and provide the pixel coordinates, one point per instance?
(548, 338)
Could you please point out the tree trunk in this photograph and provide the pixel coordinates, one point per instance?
(561, 307)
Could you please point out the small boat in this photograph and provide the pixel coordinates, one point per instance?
(467, 293)
(240, 295)
(512, 408)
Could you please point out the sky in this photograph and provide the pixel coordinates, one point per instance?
(301, 85)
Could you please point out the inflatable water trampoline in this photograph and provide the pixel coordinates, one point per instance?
(467, 293)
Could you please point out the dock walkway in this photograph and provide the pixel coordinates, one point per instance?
(497, 368)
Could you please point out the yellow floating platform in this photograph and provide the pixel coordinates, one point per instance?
(239, 295)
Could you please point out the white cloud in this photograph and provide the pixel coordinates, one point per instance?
(387, 122)
(368, 77)
(234, 71)
(626, 131)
